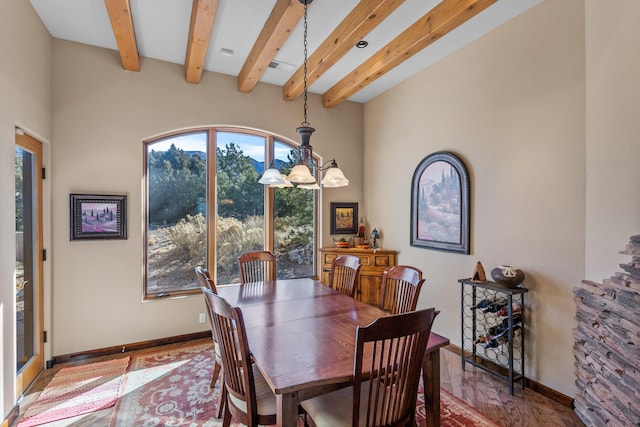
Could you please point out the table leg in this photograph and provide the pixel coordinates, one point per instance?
(287, 409)
(431, 384)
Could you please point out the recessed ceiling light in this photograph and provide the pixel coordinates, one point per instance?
(362, 44)
(226, 52)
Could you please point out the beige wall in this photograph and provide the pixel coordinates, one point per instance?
(25, 100)
(613, 133)
(101, 115)
(545, 119)
(511, 105)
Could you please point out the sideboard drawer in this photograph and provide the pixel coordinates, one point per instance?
(382, 261)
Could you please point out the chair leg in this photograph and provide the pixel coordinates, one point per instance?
(216, 373)
(227, 417)
(222, 400)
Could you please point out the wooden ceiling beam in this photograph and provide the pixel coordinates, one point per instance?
(283, 18)
(443, 18)
(122, 24)
(203, 14)
(367, 15)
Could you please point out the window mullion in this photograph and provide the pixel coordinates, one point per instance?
(269, 200)
(211, 201)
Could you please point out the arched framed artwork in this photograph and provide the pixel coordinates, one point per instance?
(440, 204)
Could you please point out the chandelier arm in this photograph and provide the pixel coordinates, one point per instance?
(329, 164)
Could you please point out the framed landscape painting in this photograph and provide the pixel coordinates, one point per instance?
(98, 216)
(440, 204)
(344, 218)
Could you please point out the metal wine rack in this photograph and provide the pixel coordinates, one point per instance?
(492, 311)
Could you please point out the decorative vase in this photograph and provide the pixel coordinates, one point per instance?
(342, 243)
(507, 275)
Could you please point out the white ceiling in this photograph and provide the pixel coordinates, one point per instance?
(162, 26)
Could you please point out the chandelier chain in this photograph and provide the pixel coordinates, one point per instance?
(305, 122)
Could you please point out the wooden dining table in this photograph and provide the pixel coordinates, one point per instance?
(302, 338)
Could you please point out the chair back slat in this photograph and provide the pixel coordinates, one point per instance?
(400, 289)
(391, 349)
(257, 266)
(345, 270)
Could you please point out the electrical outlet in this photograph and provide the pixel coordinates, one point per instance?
(202, 318)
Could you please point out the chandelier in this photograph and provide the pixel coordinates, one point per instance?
(301, 176)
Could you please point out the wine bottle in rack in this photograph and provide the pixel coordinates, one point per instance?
(515, 308)
(504, 324)
(497, 329)
(482, 339)
(496, 306)
(516, 318)
(500, 339)
(495, 341)
(482, 304)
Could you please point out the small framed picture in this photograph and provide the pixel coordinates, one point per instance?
(344, 218)
(98, 216)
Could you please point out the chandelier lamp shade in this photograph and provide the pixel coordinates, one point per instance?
(274, 177)
(301, 175)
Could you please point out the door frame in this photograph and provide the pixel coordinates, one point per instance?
(36, 364)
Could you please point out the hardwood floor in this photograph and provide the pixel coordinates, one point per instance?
(488, 394)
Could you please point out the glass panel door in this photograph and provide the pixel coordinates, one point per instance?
(29, 325)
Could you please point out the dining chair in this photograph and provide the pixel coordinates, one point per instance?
(400, 289)
(257, 266)
(207, 282)
(387, 363)
(249, 398)
(344, 274)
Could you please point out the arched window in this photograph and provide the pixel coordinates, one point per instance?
(204, 206)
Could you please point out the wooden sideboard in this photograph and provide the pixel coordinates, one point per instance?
(374, 262)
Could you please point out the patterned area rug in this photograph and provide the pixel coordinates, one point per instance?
(77, 390)
(171, 388)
